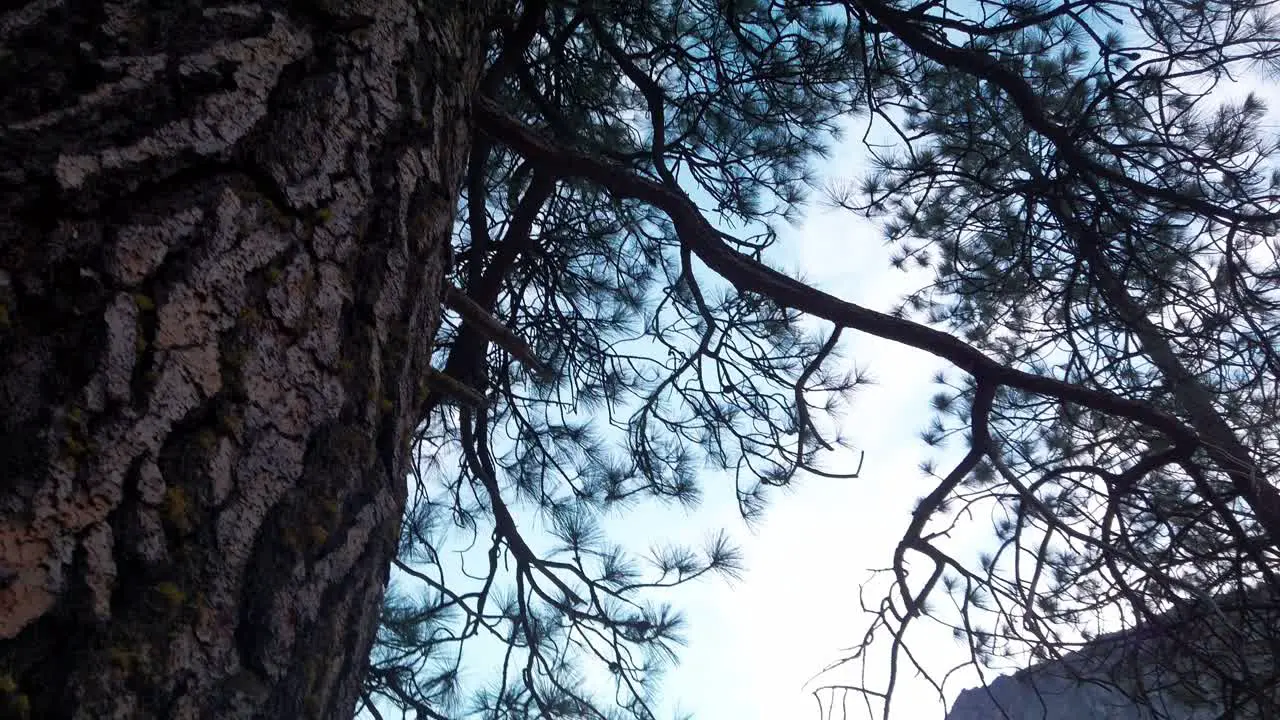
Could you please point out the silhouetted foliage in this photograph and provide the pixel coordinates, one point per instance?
(1100, 224)
(1097, 203)
(655, 370)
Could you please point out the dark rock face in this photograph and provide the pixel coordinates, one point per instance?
(1041, 694)
(1201, 662)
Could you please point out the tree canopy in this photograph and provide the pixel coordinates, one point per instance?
(1099, 220)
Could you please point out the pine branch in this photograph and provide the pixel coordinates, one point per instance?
(749, 275)
(491, 327)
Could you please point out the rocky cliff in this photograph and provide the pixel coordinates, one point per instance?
(1209, 661)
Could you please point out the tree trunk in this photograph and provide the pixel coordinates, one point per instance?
(222, 233)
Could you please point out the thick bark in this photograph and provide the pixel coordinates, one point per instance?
(221, 243)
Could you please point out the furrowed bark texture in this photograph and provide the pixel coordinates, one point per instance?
(222, 231)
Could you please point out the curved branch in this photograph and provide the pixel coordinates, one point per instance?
(983, 66)
(749, 275)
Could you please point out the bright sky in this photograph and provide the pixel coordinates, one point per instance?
(753, 645)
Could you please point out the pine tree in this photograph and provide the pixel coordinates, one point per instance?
(649, 367)
(1093, 210)
(224, 239)
(1008, 178)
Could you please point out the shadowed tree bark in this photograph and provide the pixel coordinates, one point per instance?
(222, 236)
